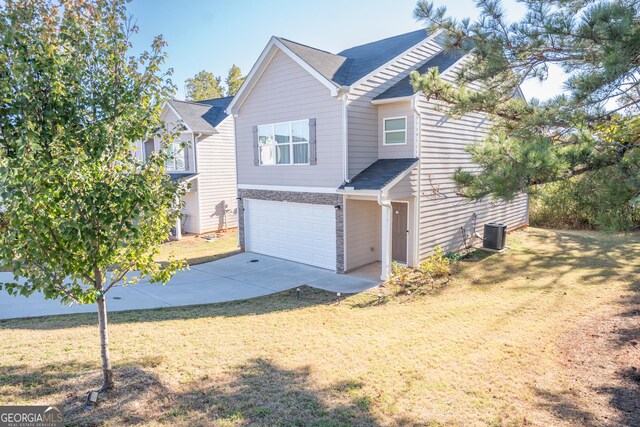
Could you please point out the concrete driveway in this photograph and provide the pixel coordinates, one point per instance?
(246, 275)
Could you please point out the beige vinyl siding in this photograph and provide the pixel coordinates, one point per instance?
(442, 212)
(286, 92)
(406, 188)
(363, 116)
(396, 151)
(363, 233)
(217, 179)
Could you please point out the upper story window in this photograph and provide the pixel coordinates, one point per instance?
(395, 131)
(284, 143)
(177, 160)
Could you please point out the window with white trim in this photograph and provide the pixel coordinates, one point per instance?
(284, 143)
(176, 161)
(395, 130)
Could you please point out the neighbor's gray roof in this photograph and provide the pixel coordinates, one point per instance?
(442, 61)
(176, 176)
(380, 173)
(202, 116)
(348, 66)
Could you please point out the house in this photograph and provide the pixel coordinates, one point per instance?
(204, 157)
(340, 165)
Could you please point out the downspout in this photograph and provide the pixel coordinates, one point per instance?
(345, 171)
(345, 135)
(417, 144)
(386, 236)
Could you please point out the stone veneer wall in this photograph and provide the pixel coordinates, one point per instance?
(295, 197)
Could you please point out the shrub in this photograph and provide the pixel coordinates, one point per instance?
(437, 265)
(596, 201)
(431, 273)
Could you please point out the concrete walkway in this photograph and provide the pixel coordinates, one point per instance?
(241, 276)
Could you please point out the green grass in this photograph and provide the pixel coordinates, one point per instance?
(484, 350)
(194, 249)
(197, 250)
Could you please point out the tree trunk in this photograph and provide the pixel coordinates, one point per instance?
(107, 372)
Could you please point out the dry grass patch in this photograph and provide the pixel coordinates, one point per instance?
(488, 349)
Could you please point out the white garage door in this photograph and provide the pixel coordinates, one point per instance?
(298, 232)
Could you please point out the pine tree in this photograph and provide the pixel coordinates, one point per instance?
(591, 130)
(234, 80)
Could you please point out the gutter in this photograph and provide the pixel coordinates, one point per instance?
(417, 144)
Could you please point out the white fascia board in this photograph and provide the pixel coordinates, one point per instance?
(322, 79)
(261, 63)
(295, 189)
(519, 91)
(392, 100)
(398, 178)
(168, 104)
(250, 80)
(353, 192)
(395, 59)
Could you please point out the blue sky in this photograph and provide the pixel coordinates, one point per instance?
(213, 34)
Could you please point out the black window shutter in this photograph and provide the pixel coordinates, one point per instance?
(256, 149)
(313, 152)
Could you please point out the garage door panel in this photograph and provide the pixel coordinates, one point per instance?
(296, 231)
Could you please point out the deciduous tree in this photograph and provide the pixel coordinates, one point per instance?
(81, 215)
(204, 85)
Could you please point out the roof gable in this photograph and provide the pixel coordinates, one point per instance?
(333, 67)
(201, 116)
(333, 70)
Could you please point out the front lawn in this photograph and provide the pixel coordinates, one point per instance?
(197, 250)
(540, 335)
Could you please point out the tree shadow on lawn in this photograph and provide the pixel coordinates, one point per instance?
(602, 368)
(256, 392)
(623, 399)
(279, 302)
(556, 253)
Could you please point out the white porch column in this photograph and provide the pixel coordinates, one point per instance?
(385, 252)
(178, 221)
(178, 229)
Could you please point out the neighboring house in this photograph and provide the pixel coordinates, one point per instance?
(203, 156)
(341, 165)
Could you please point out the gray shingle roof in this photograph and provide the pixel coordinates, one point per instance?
(202, 116)
(351, 64)
(177, 176)
(442, 61)
(368, 57)
(380, 173)
(333, 67)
